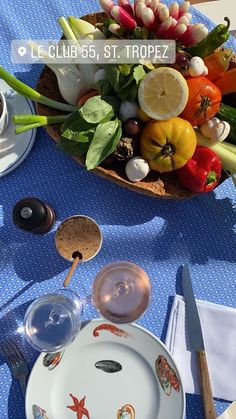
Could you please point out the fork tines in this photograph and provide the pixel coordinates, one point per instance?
(12, 351)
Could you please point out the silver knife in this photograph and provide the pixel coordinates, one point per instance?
(196, 344)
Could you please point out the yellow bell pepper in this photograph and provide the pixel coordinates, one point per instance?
(168, 145)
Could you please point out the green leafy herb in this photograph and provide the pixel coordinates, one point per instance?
(96, 110)
(123, 80)
(79, 136)
(133, 91)
(106, 25)
(139, 73)
(113, 76)
(71, 118)
(105, 87)
(137, 33)
(72, 148)
(125, 69)
(79, 130)
(104, 142)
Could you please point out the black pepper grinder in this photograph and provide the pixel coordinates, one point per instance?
(33, 215)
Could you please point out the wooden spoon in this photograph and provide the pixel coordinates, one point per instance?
(78, 239)
(77, 256)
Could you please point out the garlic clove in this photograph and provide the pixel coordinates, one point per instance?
(137, 169)
(207, 127)
(220, 131)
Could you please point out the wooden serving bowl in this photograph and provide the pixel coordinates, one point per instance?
(163, 185)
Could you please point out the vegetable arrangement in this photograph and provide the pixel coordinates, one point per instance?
(144, 117)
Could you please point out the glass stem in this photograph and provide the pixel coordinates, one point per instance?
(86, 300)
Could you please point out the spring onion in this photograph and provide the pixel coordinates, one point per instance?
(32, 94)
(28, 122)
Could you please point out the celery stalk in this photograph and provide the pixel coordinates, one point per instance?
(228, 146)
(32, 94)
(227, 157)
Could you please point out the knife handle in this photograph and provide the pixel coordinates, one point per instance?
(206, 391)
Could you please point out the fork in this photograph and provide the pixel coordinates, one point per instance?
(16, 361)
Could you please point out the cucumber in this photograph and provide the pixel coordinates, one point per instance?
(227, 113)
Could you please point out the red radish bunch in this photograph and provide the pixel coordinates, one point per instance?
(165, 22)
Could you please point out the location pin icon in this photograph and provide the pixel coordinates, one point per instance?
(22, 51)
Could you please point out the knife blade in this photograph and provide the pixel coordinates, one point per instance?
(197, 344)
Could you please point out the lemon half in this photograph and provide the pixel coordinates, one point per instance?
(163, 93)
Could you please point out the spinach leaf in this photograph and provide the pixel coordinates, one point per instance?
(72, 148)
(79, 130)
(105, 88)
(95, 110)
(79, 136)
(105, 140)
(71, 118)
(114, 102)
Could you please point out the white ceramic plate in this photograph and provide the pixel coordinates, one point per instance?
(15, 148)
(146, 384)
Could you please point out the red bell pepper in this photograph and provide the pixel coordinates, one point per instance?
(202, 172)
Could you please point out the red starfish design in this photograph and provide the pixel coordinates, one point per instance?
(79, 407)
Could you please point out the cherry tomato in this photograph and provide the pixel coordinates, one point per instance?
(203, 102)
(87, 96)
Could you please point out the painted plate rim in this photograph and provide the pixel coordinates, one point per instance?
(100, 321)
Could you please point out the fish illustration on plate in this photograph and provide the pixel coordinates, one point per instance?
(126, 412)
(166, 375)
(79, 407)
(38, 412)
(52, 360)
(111, 328)
(108, 366)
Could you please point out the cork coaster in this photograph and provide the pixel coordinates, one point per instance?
(78, 234)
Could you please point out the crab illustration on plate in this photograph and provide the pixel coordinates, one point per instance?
(166, 375)
(126, 412)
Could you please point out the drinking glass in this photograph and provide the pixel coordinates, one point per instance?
(121, 293)
(52, 321)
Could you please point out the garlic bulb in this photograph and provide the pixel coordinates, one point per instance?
(215, 129)
(207, 126)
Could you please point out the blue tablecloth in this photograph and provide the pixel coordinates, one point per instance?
(159, 235)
